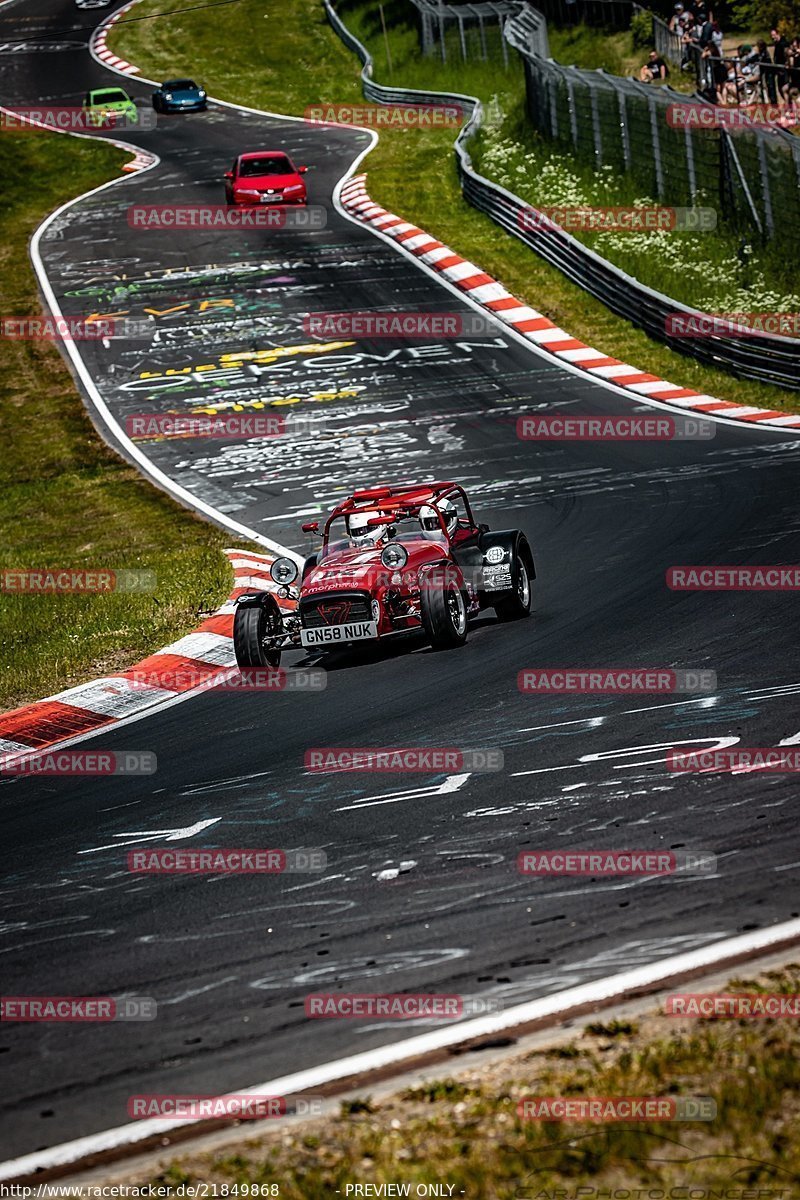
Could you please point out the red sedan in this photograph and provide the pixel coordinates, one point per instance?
(393, 561)
(265, 177)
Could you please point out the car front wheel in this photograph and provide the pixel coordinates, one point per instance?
(253, 624)
(517, 603)
(443, 610)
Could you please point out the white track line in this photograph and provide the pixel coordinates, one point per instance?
(599, 992)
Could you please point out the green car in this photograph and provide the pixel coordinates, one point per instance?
(109, 107)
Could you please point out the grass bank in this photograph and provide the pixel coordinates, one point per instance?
(274, 63)
(66, 501)
(464, 1129)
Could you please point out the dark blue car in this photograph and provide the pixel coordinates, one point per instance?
(179, 95)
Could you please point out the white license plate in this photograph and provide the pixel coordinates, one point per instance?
(355, 631)
(271, 199)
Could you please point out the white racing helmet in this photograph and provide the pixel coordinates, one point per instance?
(429, 518)
(361, 533)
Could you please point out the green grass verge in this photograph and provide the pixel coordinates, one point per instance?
(463, 1128)
(715, 271)
(66, 500)
(284, 65)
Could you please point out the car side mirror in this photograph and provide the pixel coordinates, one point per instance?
(311, 527)
(302, 170)
(228, 175)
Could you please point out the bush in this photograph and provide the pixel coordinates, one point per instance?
(642, 30)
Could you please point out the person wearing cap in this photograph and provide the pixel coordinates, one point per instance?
(676, 20)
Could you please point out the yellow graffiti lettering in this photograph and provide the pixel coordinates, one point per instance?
(268, 356)
(206, 304)
(164, 312)
(90, 320)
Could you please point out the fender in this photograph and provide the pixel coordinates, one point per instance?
(447, 565)
(256, 600)
(509, 540)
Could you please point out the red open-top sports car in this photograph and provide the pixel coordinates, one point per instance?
(393, 560)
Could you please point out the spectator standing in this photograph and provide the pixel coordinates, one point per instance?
(766, 78)
(776, 80)
(676, 20)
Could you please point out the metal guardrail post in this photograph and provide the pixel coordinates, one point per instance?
(766, 195)
(656, 147)
(596, 135)
(690, 171)
(623, 128)
(573, 114)
(733, 157)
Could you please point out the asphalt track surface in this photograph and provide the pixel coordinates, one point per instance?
(230, 959)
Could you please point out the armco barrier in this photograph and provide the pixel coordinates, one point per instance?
(768, 359)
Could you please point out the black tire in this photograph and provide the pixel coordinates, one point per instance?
(251, 624)
(309, 565)
(443, 609)
(517, 604)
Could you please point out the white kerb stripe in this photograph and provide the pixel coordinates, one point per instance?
(485, 292)
(208, 647)
(543, 336)
(655, 385)
(419, 239)
(523, 313)
(461, 271)
(433, 256)
(579, 355)
(612, 372)
(113, 697)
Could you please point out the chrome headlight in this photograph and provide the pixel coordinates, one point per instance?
(284, 571)
(376, 611)
(394, 556)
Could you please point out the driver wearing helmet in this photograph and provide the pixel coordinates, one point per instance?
(362, 534)
(429, 518)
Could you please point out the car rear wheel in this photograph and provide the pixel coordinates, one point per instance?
(443, 610)
(517, 603)
(252, 624)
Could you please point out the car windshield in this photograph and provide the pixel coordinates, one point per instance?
(277, 165)
(110, 96)
(406, 529)
(181, 85)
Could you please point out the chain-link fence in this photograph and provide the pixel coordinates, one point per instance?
(770, 359)
(678, 147)
(600, 14)
(465, 31)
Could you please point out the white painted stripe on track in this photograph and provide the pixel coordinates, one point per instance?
(599, 992)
